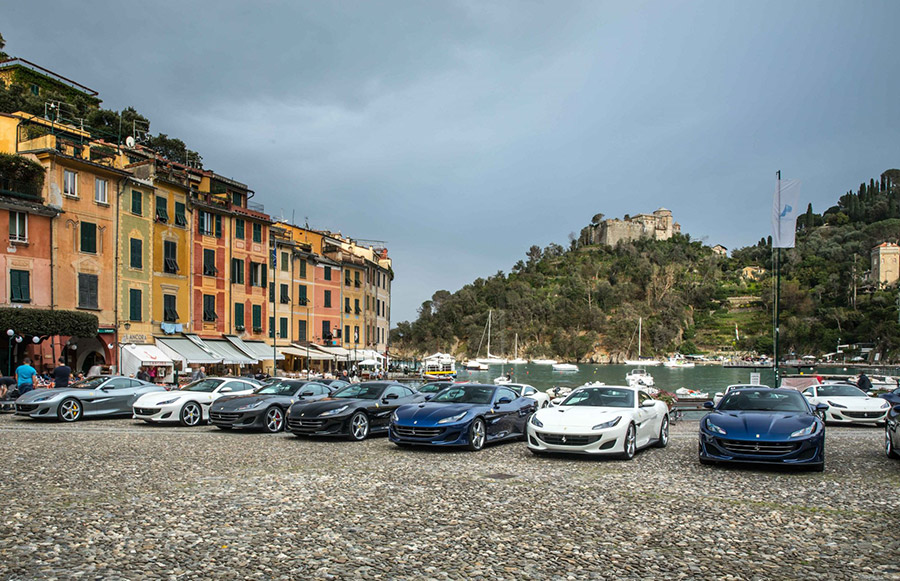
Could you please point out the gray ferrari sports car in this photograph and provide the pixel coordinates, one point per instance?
(266, 407)
(94, 397)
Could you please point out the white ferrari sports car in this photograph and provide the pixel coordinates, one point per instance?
(847, 403)
(603, 419)
(190, 405)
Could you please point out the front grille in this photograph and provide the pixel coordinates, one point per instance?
(146, 411)
(26, 407)
(761, 448)
(224, 416)
(863, 415)
(568, 439)
(417, 432)
(304, 425)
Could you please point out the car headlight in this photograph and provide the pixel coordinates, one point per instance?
(394, 417)
(837, 405)
(335, 411)
(168, 401)
(46, 397)
(885, 405)
(805, 431)
(535, 421)
(250, 406)
(452, 419)
(611, 423)
(714, 428)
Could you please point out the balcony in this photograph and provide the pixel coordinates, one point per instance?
(20, 189)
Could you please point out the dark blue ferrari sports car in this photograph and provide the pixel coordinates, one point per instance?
(468, 414)
(763, 426)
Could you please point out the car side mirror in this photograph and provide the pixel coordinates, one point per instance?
(503, 400)
(648, 403)
(870, 393)
(897, 409)
(808, 394)
(106, 388)
(428, 396)
(709, 404)
(391, 396)
(225, 390)
(306, 394)
(821, 407)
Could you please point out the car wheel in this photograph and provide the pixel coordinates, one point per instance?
(889, 445)
(191, 414)
(359, 426)
(274, 420)
(663, 440)
(477, 435)
(630, 445)
(70, 410)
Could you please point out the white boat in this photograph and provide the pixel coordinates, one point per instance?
(640, 361)
(544, 361)
(678, 362)
(639, 377)
(565, 367)
(438, 366)
(516, 360)
(691, 393)
(473, 365)
(490, 359)
(503, 380)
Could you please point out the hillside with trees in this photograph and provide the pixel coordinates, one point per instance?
(583, 302)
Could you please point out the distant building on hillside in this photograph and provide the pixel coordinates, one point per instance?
(720, 250)
(657, 226)
(42, 82)
(752, 272)
(885, 263)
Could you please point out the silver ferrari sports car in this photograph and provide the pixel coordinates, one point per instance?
(93, 397)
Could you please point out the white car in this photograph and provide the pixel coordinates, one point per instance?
(719, 395)
(190, 404)
(847, 403)
(525, 390)
(604, 419)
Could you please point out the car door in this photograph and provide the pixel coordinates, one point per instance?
(392, 398)
(111, 398)
(505, 414)
(644, 419)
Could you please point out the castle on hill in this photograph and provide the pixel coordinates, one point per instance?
(657, 226)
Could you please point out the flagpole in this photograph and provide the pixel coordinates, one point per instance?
(777, 287)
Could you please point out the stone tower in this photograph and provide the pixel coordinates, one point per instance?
(886, 263)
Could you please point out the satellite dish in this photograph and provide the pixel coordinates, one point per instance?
(129, 141)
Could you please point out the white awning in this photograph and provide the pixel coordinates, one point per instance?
(338, 352)
(256, 349)
(230, 354)
(184, 349)
(313, 353)
(148, 355)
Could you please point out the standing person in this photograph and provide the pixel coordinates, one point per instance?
(199, 374)
(142, 374)
(863, 383)
(95, 370)
(25, 376)
(61, 374)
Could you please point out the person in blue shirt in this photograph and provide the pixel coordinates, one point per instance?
(25, 376)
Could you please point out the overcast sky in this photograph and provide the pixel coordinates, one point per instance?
(462, 132)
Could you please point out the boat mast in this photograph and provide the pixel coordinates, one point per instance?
(489, 335)
(640, 320)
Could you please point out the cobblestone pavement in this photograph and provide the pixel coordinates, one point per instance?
(116, 499)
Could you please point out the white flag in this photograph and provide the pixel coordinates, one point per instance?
(784, 213)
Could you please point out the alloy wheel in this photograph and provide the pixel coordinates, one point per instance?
(274, 420)
(477, 435)
(359, 426)
(190, 414)
(70, 410)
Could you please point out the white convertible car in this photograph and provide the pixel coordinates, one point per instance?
(847, 403)
(190, 404)
(602, 419)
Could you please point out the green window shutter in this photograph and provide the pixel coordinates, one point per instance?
(257, 232)
(20, 287)
(283, 327)
(218, 226)
(239, 315)
(265, 275)
(134, 296)
(239, 228)
(89, 237)
(87, 291)
(301, 331)
(137, 259)
(162, 209)
(257, 317)
(272, 327)
(136, 202)
(301, 294)
(180, 218)
(302, 268)
(272, 292)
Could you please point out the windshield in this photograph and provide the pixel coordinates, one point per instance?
(203, 385)
(763, 401)
(92, 383)
(280, 388)
(601, 397)
(360, 391)
(840, 390)
(480, 394)
(434, 387)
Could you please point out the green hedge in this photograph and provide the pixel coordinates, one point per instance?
(30, 322)
(22, 169)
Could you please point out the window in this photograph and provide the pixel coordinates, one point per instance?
(272, 327)
(328, 299)
(170, 264)
(137, 249)
(356, 333)
(209, 262)
(285, 294)
(258, 275)
(327, 273)
(257, 318)
(285, 262)
(100, 194)
(218, 226)
(206, 223)
(162, 209)
(347, 333)
(303, 268)
(257, 232)
(87, 291)
(283, 327)
(209, 308)
(301, 330)
(301, 295)
(170, 315)
(237, 199)
(326, 330)
(89, 237)
(237, 271)
(137, 202)
(239, 316)
(356, 306)
(239, 228)
(18, 227)
(35, 89)
(347, 304)
(19, 286)
(356, 282)
(347, 280)
(70, 183)
(180, 219)
(271, 292)
(134, 304)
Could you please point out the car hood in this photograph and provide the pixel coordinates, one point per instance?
(233, 402)
(329, 403)
(760, 425)
(856, 403)
(428, 414)
(579, 416)
(54, 393)
(154, 399)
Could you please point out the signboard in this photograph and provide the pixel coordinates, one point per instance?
(105, 330)
(754, 378)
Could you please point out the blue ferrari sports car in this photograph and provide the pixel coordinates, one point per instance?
(763, 426)
(467, 414)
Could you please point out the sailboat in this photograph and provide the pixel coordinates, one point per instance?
(490, 359)
(516, 360)
(639, 361)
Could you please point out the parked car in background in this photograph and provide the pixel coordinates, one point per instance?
(265, 408)
(719, 395)
(524, 390)
(189, 405)
(100, 396)
(892, 397)
(892, 433)
(763, 426)
(847, 404)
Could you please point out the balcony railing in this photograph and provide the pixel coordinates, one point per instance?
(19, 189)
